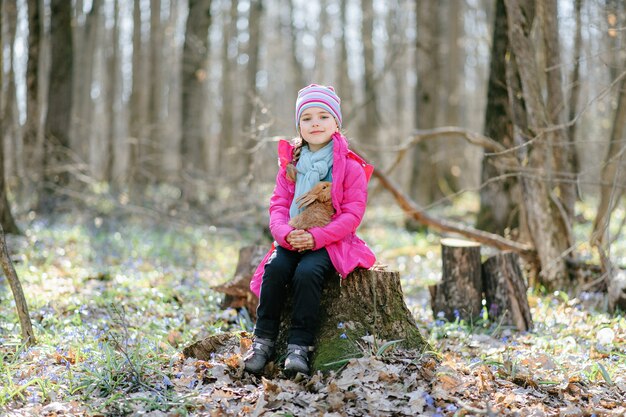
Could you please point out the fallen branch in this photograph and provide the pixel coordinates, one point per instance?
(412, 209)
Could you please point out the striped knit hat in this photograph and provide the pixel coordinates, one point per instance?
(318, 96)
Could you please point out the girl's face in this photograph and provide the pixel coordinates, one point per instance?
(317, 127)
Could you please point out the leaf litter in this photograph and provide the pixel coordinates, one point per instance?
(92, 362)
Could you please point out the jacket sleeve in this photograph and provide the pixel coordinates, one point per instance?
(352, 209)
(279, 210)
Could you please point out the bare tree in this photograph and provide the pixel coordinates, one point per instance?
(57, 125)
(6, 218)
(229, 40)
(422, 184)
(194, 89)
(563, 147)
(138, 103)
(156, 101)
(368, 132)
(297, 67)
(254, 45)
(33, 133)
(344, 85)
(542, 214)
(497, 197)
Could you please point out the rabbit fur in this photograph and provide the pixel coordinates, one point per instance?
(319, 207)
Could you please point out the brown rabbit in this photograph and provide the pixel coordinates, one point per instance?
(319, 207)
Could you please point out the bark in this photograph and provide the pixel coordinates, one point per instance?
(57, 125)
(33, 133)
(563, 147)
(114, 103)
(237, 291)
(6, 218)
(542, 216)
(18, 294)
(156, 102)
(505, 291)
(83, 133)
(296, 66)
(321, 68)
(195, 92)
(498, 199)
(369, 125)
(344, 85)
(229, 40)
(367, 302)
(575, 81)
(459, 294)
(422, 184)
(250, 100)
(138, 103)
(613, 172)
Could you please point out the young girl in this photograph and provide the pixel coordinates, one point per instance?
(304, 258)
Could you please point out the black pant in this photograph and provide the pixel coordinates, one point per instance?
(305, 271)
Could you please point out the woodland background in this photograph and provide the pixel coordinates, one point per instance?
(139, 152)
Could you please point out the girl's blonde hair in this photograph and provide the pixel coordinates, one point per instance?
(292, 172)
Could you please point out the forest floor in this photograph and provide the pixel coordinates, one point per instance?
(115, 300)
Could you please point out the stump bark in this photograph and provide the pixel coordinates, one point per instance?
(237, 290)
(367, 302)
(505, 291)
(460, 292)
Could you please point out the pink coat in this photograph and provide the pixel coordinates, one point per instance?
(350, 175)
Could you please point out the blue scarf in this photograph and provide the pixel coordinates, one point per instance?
(312, 168)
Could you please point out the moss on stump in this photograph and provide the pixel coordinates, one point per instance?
(368, 302)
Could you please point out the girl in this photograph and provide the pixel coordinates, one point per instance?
(304, 258)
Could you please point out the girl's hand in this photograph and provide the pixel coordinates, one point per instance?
(301, 240)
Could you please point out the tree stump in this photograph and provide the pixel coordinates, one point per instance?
(459, 295)
(237, 290)
(505, 291)
(367, 302)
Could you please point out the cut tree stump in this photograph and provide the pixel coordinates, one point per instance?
(460, 292)
(505, 291)
(367, 302)
(237, 290)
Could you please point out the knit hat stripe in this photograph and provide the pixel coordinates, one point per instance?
(318, 96)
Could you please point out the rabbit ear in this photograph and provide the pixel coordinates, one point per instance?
(306, 199)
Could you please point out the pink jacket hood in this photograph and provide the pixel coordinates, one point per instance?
(350, 175)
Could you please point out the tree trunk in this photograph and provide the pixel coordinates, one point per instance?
(367, 302)
(156, 102)
(83, 132)
(18, 294)
(6, 218)
(459, 295)
(368, 132)
(542, 215)
(563, 147)
(33, 133)
(57, 125)
(297, 68)
(505, 291)
(138, 104)
(321, 72)
(499, 199)
(575, 82)
(613, 172)
(116, 151)
(195, 93)
(423, 184)
(251, 92)
(344, 85)
(229, 41)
